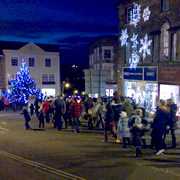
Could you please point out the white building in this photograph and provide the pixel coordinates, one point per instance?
(43, 62)
(103, 55)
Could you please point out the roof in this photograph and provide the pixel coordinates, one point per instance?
(13, 45)
(104, 38)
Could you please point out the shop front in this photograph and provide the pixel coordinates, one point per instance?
(141, 85)
(169, 85)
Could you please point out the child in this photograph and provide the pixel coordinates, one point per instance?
(109, 122)
(123, 129)
(41, 119)
(27, 118)
(136, 125)
(32, 109)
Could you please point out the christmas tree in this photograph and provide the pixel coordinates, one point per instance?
(22, 87)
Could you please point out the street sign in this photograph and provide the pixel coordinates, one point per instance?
(150, 73)
(133, 74)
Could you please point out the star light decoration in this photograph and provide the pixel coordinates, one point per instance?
(135, 15)
(124, 37)
(134, 59)
(146, 14)
(144, 49)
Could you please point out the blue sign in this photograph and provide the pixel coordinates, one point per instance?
(150, 73)
(133, 74)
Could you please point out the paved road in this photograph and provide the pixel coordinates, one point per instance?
(50, 154)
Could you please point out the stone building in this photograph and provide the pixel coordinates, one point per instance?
(149, 58)
(43, 62)
(103, 55)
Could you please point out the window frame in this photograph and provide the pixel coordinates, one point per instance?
(14, 58)
(45, 62)
(165, 36)
(129, 14)
(174, 46)
(32, 58)
(107, 54)
(48, 78)
(165, 5)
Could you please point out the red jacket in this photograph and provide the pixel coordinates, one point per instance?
(76, 109)
(45, 106)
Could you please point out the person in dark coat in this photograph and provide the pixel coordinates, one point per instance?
(109, 123)
(88, 104)
(116, 107)
(159, 126)
(41, 119)
(136, 125)
(27, 118)
(32, 110)
(172, 121)
(60, 109)
(67, 116)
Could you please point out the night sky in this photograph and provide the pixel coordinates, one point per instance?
(70, 23)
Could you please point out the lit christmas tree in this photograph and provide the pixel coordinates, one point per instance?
(22, 87)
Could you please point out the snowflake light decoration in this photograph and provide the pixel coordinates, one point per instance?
(146, 14)
(134, 60)
(136, 15)
(124, 37)
(134, 41)
(144, 49)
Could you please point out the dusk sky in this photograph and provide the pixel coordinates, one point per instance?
(72, 24)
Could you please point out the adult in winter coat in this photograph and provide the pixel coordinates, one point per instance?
(159, 126)
(123, 129)
(109, 123)
(60, 109)
(127, 107)
(76, 110)
(99, 111)
(67, 115)
(116, 107)
(172, 120)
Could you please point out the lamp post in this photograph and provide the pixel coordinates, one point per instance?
(65, 85)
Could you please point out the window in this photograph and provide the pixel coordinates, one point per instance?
(164, 5)
(47, 62)
(48, 79)
(165, 41)
(174, 46)
(14, 61)
(107, 54)
(31, 62)
(129, 14)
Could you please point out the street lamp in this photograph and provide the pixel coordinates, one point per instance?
(65, 85)
(75, 91)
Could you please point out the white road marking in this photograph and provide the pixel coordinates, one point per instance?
(41, 166)
(5, 123)
(4, 129)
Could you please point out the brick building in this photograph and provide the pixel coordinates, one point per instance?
(157, 74)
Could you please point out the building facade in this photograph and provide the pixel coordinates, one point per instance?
(43, 62)
(149, 58)
(103, 55)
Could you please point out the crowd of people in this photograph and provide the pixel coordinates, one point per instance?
(125, 122)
